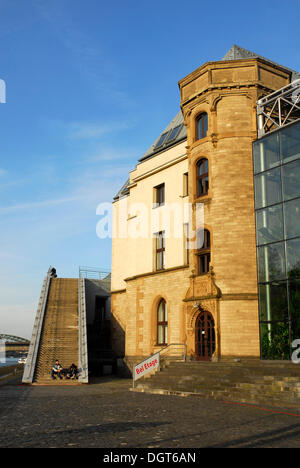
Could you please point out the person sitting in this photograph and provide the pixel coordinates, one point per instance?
(56, 370)
(73, 372)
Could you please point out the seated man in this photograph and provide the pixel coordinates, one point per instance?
(56, 370)
(73, 372)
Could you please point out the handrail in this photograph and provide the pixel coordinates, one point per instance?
(159, 353)
(82, 334)
(37, 329)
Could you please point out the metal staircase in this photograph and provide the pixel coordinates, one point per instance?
(59, 331)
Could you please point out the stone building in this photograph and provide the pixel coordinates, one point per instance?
(196, 283)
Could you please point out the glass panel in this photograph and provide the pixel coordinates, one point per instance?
(200, 239)
(200, 187)
(160, 334)
(159, 264)
(294, 306)
(273, 303)
(290, 142)
(160, 194)
(275, 340)
(166, 312)
(269, 225)
(166, 334)
(161, 140)
(159, 241)
(271, 263)
(267, 188)
(266, 153)
(160, 315)
(200, 166)
(173, 133)
(293, 258)
(205, 125)
(291, 180)
(292, 218)
(206, 184)
(202, 126)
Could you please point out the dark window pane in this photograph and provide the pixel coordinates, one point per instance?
(203, 263)
(160, 194)
(269, 225)
(266, 153)
(293, 258)
(294, 307)
(200, 187)
(271, 263)
(273, 304)
(202, 177)
(162, 323)
(275, 340)
(290, 142)
(292, 218)
(291, 180)
(173, 133)
(161, 140)
(267, 188)
(202, 126)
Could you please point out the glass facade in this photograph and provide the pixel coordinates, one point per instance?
(277, 209)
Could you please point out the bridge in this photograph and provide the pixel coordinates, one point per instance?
(15, 344)
(14, 339)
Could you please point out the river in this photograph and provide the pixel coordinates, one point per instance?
(9, 361)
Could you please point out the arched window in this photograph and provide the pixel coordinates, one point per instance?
(202, 126)
(203, 251)
(202, 179)
(162, 323)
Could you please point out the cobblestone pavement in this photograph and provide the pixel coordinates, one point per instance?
(108, 415)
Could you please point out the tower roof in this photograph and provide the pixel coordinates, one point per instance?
(238, 53)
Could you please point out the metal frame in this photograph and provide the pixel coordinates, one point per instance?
(93, 273)
(279, 108)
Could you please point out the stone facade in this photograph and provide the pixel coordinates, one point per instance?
(227, 92)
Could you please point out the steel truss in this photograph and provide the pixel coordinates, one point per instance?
(279, 108)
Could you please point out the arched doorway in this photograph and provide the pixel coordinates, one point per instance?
(205, 337)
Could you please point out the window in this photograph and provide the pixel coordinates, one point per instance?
(159, 195)
(186, 243)
(203, 252)
(202, 180)
(202, 126)
(185, 184)
(173, 133)
(160, 250)
(162, 323)
(161, 140)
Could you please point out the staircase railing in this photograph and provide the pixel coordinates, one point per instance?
(154, 361)
(82, 334)
(30, 365)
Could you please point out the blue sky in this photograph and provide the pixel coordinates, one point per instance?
(90, 85)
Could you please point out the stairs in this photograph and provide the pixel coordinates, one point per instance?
(272, 383)
(59, 337)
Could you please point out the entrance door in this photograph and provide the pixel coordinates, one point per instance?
(205, 344)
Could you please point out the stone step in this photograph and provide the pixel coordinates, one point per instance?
(280, 386)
